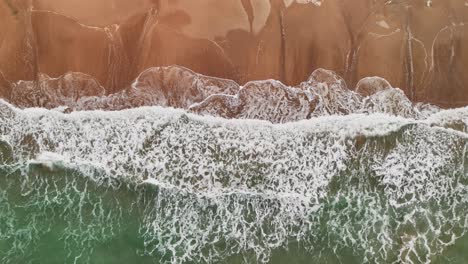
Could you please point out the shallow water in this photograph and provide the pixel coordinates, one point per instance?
(157, 185)
(51, 236)
(62, 217)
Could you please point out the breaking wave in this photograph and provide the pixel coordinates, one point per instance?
(367, 171)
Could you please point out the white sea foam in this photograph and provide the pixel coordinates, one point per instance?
(253, 186)
(49, 160)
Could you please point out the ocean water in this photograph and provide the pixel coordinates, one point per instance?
(160, 185)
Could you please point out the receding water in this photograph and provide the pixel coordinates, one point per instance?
(154, 185)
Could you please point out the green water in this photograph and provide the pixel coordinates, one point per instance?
(62, 217)
(146, 186)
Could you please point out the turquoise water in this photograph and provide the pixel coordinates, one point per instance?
(62, 217)
(155, 185)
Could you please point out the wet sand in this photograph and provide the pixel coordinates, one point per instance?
(418, 46)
